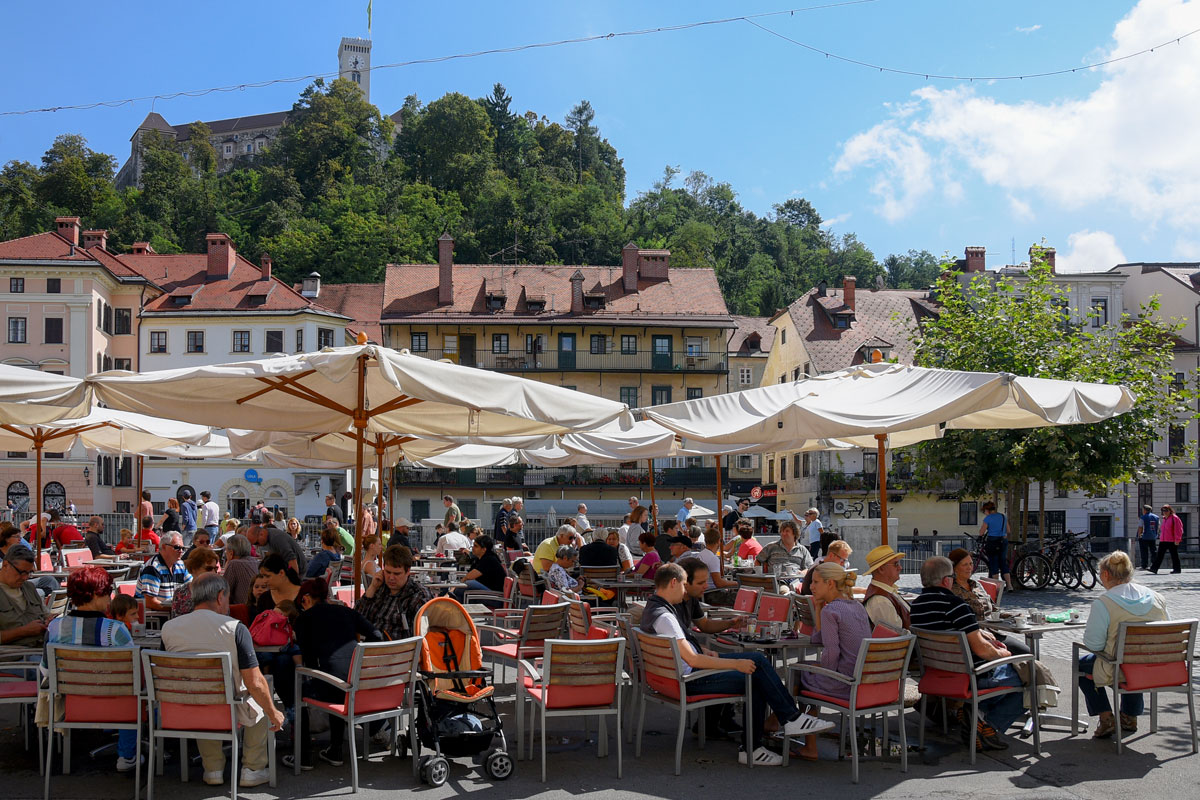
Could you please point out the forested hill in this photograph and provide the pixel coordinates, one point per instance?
(342, 193)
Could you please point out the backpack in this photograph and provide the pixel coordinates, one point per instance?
(271, 629)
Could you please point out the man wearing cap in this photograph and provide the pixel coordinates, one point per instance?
(885, 605)
(22, 615)
(399, 535)
(681, 548)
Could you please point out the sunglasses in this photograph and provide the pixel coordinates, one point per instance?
(174, 546)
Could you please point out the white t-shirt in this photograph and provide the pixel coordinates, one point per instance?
(453, 542)
(630, 532)
(582, 523)
(212, 513)
(668, 625)
(624, 554)
(710, 559)
(814, 531)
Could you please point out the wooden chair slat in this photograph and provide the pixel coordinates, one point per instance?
(607, 654)
(186, 674)
(95, 678)
(95, 690)
(100, 654)
(173, 685)
(599, 679)
(187, 663)
(379, 683)
(190, 698)
(662, 672)
(1154, 658)
(384, 670)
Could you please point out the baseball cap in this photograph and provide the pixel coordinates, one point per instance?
(681, 540)
(401, 523)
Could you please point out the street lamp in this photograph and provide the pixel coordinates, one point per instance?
(317, 486)
(87, 476)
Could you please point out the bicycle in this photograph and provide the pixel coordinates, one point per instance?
(1064, 560)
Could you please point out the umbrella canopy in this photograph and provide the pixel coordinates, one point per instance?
(758, 512)
(909, 404)
(32, 397)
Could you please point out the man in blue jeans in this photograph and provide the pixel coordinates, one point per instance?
(1147, 536)
(662, 618)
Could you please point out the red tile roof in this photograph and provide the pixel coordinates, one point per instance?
(747, 327)
(42, 246)
(361, 302)
(881, 319)
(689, 297)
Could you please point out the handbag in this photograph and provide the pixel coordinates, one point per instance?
(271, 629)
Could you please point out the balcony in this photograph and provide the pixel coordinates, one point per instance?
(559, 477)
(585, 361)
(866, 482)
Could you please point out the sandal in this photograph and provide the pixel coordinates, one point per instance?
(1105, 728)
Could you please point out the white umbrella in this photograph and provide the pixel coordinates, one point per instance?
(31, 397)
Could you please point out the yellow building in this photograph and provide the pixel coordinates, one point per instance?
(641, 333)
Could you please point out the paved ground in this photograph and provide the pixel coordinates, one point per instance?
(1070, 767)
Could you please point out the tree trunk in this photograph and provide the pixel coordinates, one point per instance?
(1041, 513)
(1025, 513)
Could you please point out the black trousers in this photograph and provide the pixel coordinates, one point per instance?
(1163, 548)
(1147, 548)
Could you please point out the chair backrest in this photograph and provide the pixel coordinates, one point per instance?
(883, 631)
(580, 618)
(510, 585)
(881, 669)
(806, 613)
(45, 562)
(193, 692)
(600, 573)
(946, 667)
(766, 583)
(746, 600)
(526, 585)
(75, 558)
(383, 673)
(994, 589)
(775, 608)
(579, 674)
(543, 622)
(240, 612)
(1155, 655)
(550, 597)
(97, 684)
(58, 603)
(661, 666)
(344, 595)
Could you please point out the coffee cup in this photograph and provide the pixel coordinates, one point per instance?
(1074, 616)
(993, 616)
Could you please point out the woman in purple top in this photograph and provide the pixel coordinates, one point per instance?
(841, 625)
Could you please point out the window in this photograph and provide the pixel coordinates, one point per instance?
(450, 344)
(420, 509)
(420, 342)
(274, 342)
(1183, 493)
(108, 319)
(534, 343)
(241, 342)
(123, 475)
(195, 342)
(796, 374)
(53, 285)
(782, 468)
(158, 341)
(18, 495)
(99, 315)
(783, 336)
(324, 338)
(1099, 311)
(629, 396)
(770, 470)
(122, 321)
(628, 345)
(841, 321)
(807, 369)
(17, 454)
(1177, 381)
(106, 363)
(797, 463)
(123, 363)
(745, 462)
(694, 393)
(1145, 495)
(299, 340)
(1060, 492)
(16, 330)
(806, 464)
(250, 147)
(54, 497)
(499, 342)
(745, 376)
(695, 346)
(599, 342)
(53, 330)
(968, 513)
(228, 149)
(16, 285)
(1175, 438)
(660, 395)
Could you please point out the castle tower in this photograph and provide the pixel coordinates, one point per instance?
(354, 63)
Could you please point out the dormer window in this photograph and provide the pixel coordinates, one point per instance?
(256, 299)
(841, 321)
(535, 306)
(593, 301)
(495, 302)
(179, 300)
(753, 342)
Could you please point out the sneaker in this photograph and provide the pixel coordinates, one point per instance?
(762, 757)
(806, 725)
(383, 736)
(329, 757)
(128, 764)
(254, 777)
(215, 778)
(1104, 728)
(988, 736)
(289, 761)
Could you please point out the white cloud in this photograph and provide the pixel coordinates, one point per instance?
(1030, 29)
(838, 220)
(1021, 210)
(1127, 145)
(1090, 251)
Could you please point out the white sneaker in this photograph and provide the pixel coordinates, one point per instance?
(255, 777)
(805, 725)
(215, 778)
(383, 736)
(762, 757)
(128, 764)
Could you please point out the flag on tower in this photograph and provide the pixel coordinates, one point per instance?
(369, 18)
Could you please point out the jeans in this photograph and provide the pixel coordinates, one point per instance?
(1004, 710)
(127, 744)
(46, 585)
(815, 549)
(1163, 549)
(1096, 698)
(765, 689)
(472, 585)
(996, 549)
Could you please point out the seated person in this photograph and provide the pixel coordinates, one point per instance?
(662, 542)
(838, 552)
(22, 615)
(558, 576)
(650, 559)
(146, 537)
(453, 541)
(124, 608)
(599, 553)
(613, 539)
(330, 555)
(126, 543)
(514, 538)
(487, 573)
(883, 601)
(744, 545)
(1122, 601)
(547, 551)
(662, 617)
(787, 559)
(973, 594)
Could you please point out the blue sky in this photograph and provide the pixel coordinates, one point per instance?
(1101, 164)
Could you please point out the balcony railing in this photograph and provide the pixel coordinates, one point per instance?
(834, 481)
(534, 477)
(586, 361)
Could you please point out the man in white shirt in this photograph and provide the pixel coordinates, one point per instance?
(453, 541)
(581, 521)
(811, 525)
(685, 511)
(210, 515)
(884, 603)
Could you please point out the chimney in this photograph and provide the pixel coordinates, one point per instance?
(445, 269)
(312, 286)
(1047, 254)
(848, 285)
(975, 259)
(629, 267)
(265, 266)
(577, 293)
(96, 239)
(822, 290)
(221, 256)
(142, 248)
(68, 228)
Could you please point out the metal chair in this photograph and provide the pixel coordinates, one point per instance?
(775, 608)
(538, 624)
(765, 583)
(661, 670)
(577, 678)
(99, 688)
(18, 687)
(195, 697)
(877, 687)
(600, 573)
(994, 589)
(949, 671)
(580, 618)
(380, 686)
(1150, 657)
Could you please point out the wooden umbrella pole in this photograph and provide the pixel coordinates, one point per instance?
(137, 501)
(653, 513)
(41, 529)
(881, 439)
(720, 518)
(360, 422)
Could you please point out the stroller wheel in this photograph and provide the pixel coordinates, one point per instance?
(436, 771)
(499, 765)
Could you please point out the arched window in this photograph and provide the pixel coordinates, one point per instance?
(276, 501)
(18, 497)
(185, 488)
(54, 497)
(237, 502)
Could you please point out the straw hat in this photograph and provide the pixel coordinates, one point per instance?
(879, 556)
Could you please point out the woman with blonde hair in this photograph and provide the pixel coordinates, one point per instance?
(841, 625)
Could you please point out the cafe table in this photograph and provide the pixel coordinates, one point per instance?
(622, 585)
(1033, 634)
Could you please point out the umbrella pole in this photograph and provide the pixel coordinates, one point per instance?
(360, 422)
(881, 439)
(137, 501)
(720, 517)
(653, 513)
(41, 529)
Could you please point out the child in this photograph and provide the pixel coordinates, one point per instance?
(126, 545)
(124, 608)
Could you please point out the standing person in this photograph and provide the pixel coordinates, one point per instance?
(366, 525)
(582, 523)
(813, 528)
(1147, 535)
(187, 511)
(638, 523)
(731, 519)
(995, 528)
(210, 515)
(452, 512)
(284, 543)
(170, 521)
(1169, 536)
(332, 510)
(685, 511)
(501, 522)
(145, 508)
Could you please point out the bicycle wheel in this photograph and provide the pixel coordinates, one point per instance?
(1068, 571)
(1089, 570)
(1032, 571)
